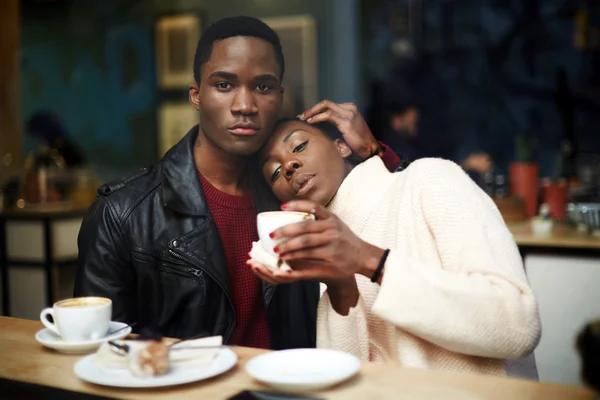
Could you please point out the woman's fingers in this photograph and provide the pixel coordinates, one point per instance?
(320, 253)
(273, 277)
(305, 243)
(262, 272)
(307, 206)
(294, 275)
(299, 228)
(307, 226)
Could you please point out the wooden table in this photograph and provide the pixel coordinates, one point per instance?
(25, 361)
(564, 239)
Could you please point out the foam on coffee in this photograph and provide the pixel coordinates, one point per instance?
(83, 302)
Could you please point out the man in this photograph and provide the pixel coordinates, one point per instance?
(169, 245)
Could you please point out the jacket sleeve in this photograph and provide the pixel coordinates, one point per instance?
(104, 267)
(476, 300)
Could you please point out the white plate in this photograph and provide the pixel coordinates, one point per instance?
(50, 339)
(301, 370)
(91, 372)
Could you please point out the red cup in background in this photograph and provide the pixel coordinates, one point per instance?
(524, 183)
(555, 195)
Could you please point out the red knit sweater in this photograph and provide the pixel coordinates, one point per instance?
(235, 217)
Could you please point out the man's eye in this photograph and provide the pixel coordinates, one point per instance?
(263, 88)
(275, 174)
(223, 85)
(300, 147)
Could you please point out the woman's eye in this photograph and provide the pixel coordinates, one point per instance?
(223, 85)
(275, 174)
(263, 88)
(300, 147)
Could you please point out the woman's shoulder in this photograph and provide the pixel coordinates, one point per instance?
(433, 168)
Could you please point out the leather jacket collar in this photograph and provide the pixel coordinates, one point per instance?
(180, 192)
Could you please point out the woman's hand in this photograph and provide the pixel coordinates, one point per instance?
(343, 293)
(325, 249)
(351, 124)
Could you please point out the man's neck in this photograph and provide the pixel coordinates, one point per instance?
(224, 171)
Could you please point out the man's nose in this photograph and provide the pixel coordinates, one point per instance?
(243, 102)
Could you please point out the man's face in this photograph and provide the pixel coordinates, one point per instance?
(240, 95)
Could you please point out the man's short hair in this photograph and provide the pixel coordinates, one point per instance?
(232, 27)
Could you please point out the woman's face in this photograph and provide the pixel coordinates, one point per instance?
(301, 162)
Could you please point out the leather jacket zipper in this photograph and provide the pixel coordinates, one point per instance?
(190, 260)
(185, 272)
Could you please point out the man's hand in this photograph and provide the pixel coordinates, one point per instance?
(351, 124)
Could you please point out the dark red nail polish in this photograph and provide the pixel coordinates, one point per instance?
(276, 249)
(284, 206)
(271, 235)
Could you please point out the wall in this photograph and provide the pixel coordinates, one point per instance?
(93, 64)
(566, 289)
(11, 148)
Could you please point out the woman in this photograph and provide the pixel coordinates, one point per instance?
(418, 266)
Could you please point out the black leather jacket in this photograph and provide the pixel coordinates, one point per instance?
(150, 244)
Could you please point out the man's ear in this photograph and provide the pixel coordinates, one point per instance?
(343, 148)
(194, 95)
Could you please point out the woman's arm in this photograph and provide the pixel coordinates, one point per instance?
(342, 321)
(479, 302)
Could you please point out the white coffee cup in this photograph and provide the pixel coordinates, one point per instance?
(269, 221)
(79, 319)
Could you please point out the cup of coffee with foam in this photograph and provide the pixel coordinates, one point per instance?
(79, 319)
(269, 221)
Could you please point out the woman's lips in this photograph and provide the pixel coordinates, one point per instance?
(306, 185)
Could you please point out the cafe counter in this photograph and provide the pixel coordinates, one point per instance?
(563, 269)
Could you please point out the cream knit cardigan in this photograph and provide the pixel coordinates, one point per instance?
(454, 295)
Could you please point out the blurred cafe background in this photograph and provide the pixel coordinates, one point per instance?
(510, 89)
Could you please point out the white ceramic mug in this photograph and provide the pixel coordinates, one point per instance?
(79, 319)
(269, 221)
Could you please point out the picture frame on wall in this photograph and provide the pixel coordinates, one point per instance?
(174, 121)
(176, 40)
(297, 34)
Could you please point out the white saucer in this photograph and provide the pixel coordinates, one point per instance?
(301, 370)
(50, 339)
(90, 371)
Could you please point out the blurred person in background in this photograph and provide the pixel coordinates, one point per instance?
(588, 349)
(403, 136)
(49, 133)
